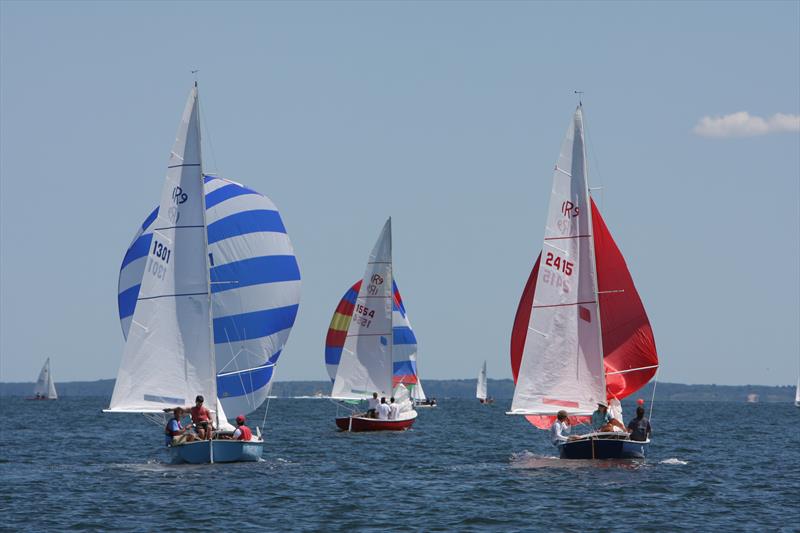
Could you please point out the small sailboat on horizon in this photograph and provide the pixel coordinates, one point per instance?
(481, 391)
(208, 294)
(581, 336)
(366, 351)
(45, 388)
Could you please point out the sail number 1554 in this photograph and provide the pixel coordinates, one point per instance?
(559, 264)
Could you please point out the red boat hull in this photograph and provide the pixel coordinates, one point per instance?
(373, 424)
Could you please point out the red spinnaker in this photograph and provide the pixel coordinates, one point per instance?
(627, 336)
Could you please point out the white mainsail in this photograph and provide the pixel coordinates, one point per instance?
(168, 357)
(797, 392)
(562, 362)
(481, 391)
(417, 393)
(366, 363)
(45, 387)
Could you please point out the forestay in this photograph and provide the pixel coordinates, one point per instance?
(562, 360)
(366, 359)
(168, 358)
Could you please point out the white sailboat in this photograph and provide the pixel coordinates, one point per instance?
(366, 365)
(581, 335)
(481, 391)
(169, 355)
(797, 393)
(45, 388)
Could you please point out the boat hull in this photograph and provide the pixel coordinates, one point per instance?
(603, 448)
(373, 424)
(225, 451)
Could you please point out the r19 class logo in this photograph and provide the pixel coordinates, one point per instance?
(178, 196)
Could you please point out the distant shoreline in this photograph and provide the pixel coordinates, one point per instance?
(501, 389)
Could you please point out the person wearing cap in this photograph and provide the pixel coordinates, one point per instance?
(242, 432)
(175, 433)
(560, 429)
(602, 421)
(201, 418)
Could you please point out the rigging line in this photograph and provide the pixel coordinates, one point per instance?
(207, 131)
(593, 154)
(653, 397)
(269, 394)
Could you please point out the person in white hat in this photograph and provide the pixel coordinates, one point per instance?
(602, 420)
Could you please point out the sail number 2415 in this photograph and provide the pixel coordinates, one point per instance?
(559, 264)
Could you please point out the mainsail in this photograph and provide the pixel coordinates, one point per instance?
(404, 352)
(45, 387)
(481, 390)
(580, 334)
(365, 365)
(168, 356)
(255, 286)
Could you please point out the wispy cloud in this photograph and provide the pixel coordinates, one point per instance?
(743, 124)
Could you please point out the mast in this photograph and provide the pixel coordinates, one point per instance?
(592, 255)
(211, 350)
(391, 311)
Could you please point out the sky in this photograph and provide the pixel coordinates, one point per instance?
(447, 116)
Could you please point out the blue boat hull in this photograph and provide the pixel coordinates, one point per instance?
(225, 451)
(603, 448)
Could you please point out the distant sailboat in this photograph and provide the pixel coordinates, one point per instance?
(581, 335)
(208, 294)
(362, 341)
(797, 393)
(45, 388)
(481, 391)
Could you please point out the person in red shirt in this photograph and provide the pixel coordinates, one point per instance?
(242, 432)
(201, 418)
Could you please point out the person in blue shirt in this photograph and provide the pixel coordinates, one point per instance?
(175, 433)
(602, 421)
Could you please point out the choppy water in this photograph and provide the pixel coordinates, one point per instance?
(464, 467)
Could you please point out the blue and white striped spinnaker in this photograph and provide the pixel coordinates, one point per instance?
(255, 286)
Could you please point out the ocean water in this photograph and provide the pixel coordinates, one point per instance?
(65, 466)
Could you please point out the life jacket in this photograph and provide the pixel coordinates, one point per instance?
(168, 431)
(246, 433)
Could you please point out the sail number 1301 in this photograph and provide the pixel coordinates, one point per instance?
(559, 264)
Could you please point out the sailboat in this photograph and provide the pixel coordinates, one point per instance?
(208, 293)
(404, 350)
(581, 334)
(481, 391)
(797, 393)
(367, 349)
(45, 388)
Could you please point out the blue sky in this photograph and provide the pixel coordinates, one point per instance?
(447, 116)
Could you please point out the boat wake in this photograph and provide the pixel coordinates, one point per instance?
(673, 461)
(529, 460)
